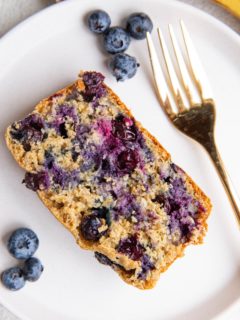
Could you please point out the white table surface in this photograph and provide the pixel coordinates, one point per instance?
(14, 11)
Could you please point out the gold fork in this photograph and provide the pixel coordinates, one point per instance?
(197, 121)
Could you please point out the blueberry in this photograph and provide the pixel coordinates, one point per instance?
(94, 86)
(138, 24)
(123, 66)
(127, 160)
(64, 111)
(103, 213)
(32, 269)
(124, 129)
(103, 259)
(116, 40)
(131, 247)
(23, 243)
(89, 227)
(37, 181)
(99, 21)
(93, 79)
(13, 278)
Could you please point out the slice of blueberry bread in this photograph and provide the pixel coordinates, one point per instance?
(108, 180)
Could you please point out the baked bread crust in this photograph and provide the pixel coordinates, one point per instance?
(46, 198)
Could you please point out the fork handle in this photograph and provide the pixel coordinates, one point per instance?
(225, 178)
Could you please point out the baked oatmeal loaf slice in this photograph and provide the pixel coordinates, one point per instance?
(108, 180)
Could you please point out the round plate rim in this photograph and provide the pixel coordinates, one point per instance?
(10, 35)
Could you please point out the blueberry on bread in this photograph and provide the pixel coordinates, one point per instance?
(109, 181)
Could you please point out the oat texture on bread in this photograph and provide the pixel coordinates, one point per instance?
(108, 181)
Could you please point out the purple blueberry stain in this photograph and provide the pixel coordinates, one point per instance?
(92, 164)
(64, 178)
(106, 170)
(144, 218)
(147, 153)
(180, 206)
(168, 173)
(104, 127)
(146, 266)
(30, 129)
(112, 145)
(82, 133)
(33, 122)
(60, 177)
(64, 113)
(110, 150)
(92, 158)
(126, 206)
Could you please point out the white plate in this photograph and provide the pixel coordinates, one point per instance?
(44, 54)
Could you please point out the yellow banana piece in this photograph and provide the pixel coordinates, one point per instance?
(231, 5)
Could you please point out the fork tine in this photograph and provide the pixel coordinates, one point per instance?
(160, 81)
(196, 66)
(172, 74)
(187, 81)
